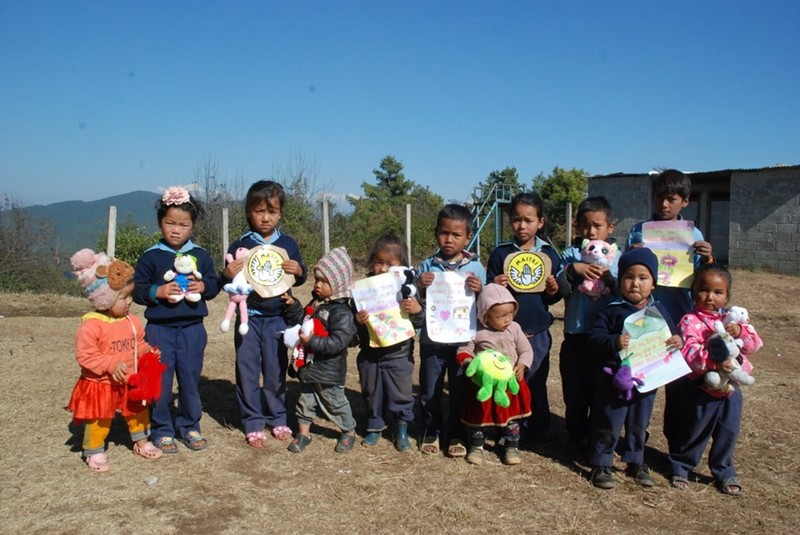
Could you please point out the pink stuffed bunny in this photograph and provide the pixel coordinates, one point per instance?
(238, 290)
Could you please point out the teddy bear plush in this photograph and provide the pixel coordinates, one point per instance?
(406, 276)
(185, 266)
(238, 290)
(493, 372)
(623, 379)
(291, 338)
(723, 347)
(596, 252)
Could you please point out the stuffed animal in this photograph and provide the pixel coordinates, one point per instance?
(144, 386)
(623, 379)
(185, 266)
(238, 290)
(406, 276)
(291, 338)
(493, 372)
(597, 252)
(723, 347)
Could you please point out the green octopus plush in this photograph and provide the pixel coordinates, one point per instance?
(493, 372)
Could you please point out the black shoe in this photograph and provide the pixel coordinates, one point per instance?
(603, 477)
(299, 443)
(641, 474)
(345, 443)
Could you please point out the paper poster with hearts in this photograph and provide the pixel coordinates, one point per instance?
(647, 353)
(388, 323)
(450, 313)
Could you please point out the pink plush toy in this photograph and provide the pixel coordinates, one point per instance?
(238, 290)
(597, 252)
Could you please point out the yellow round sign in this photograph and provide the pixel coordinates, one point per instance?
(263, 269)
(527, 271)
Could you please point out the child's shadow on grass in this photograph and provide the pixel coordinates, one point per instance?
(118, 435)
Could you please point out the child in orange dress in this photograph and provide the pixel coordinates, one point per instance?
(106, 345)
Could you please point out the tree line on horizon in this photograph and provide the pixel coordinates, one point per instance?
(28, 264)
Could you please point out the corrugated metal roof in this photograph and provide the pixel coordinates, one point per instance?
(704, 173)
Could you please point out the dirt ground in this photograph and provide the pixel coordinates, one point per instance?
(232, 488)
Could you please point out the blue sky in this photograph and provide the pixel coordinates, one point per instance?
(101, 98)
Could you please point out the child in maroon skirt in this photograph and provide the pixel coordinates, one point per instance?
(497, 331)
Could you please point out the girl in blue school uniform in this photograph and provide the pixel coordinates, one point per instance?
(528, 224)
(175, 309)
(261, 353)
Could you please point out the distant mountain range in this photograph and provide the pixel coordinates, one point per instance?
(79, 224)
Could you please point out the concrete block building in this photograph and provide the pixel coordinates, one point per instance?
(750, 216)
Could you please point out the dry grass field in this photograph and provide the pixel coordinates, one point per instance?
(232, 488)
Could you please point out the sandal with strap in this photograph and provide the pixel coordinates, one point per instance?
(679, 482)
(256, 439)
(730, 486)
(147, 451)
(195, 441)
(282, 432)
(430, 445)
(167, 445)
(98, 462)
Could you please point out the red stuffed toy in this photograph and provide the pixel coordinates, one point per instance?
(291, 337)
(145, 385)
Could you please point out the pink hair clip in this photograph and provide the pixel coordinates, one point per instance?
(175, 195)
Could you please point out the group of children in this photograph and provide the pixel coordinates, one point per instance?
(513, 323)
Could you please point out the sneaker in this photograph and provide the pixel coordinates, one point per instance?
(299, 443)
(511, 455)
(345, 443)
(371, 439)
(475, 456)
(602, 477)
(641, 474)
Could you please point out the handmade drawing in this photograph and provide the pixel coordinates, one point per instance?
(450, 315)
(671, 241)
(388, 323)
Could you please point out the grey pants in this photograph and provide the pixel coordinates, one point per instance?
(329, 400)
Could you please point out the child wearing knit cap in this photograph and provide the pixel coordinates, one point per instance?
(638, 274)
(322, 379)
(106, 347)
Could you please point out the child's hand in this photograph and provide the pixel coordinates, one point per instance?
(519, 371)
(474, 283)
(550, 286)
(734, 329)
(362, 317)
(674, 342)
(410, 305)
(233, 268)
(623, 341)
(590, 272)
(501, 279)
(725, 366)
(425, 279)
(120, 373)
(703, 248)
(196, 286)
(170, 288)
(287, 299)
(292, 267)
(305, 338)
(465, 362)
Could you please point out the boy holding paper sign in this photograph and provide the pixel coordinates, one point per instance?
(611, 411)
(453, 233)
(671, 190)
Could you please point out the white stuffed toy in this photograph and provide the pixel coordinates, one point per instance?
(185, 266)
(238, 290)
(723, 347)
(291, 338)
(737, 315)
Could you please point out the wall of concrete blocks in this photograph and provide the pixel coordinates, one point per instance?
(765, 220)
(629, 197)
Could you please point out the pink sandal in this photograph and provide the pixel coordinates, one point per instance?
(148, 451)
(282, 432)
(256, 439)
(98, 463)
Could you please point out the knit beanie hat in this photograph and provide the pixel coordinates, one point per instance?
(101, 277)
(337, 267)
(639, 255)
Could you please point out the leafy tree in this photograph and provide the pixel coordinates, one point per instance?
(28, 260)
(558, 189)
(383, 208)
(131, 241)
(501, 186)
